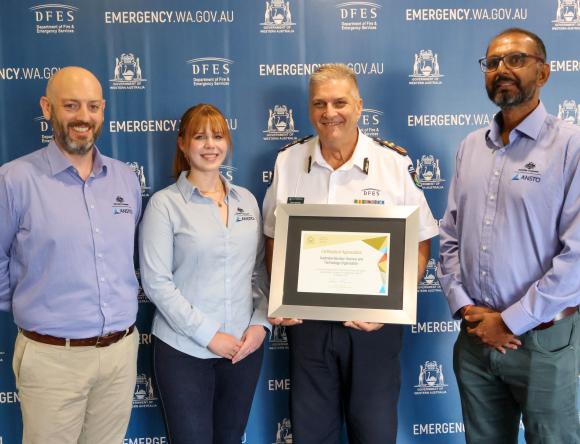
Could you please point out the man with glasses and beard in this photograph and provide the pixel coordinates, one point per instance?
(510, 249)
(66, 272)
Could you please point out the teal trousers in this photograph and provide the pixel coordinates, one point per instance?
(537, 383)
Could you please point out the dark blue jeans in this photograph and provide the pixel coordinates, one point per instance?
(205, 401)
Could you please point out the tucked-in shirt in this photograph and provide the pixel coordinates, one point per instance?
(510, 237)
(66, 245)
(374, 175)
(202, 275)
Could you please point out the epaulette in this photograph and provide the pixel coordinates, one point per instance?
(399, 149)
(296, 142)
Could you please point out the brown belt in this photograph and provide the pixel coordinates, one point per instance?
(563, 314)
(97, 341)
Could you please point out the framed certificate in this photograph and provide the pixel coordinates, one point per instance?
(345, 263)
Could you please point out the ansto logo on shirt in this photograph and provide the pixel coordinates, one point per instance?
(121, 207)
(242, 215)
(528, 173)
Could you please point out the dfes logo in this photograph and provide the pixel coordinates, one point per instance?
(45, 132)
(358, 16)
(370, 121)
(54, 18)
(210, 71)
(228, 172)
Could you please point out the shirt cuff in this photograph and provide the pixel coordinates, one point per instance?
(206, 331)
(259, 318)
(458, 298)
(517, 319)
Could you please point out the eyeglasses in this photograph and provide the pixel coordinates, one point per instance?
(514, 60)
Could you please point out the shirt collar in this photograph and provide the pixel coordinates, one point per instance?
(530, 126)
(361, 152)
(59, 162)
(187, 189)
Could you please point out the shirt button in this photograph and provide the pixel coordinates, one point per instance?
(491, 197)
(483, 273)
(496, 173)
(97, 230)
(99, 255)
(102, 279)
(487, 222)
(92, 207)
(487, 299)
(484, 247)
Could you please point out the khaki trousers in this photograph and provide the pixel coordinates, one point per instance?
(71, 395)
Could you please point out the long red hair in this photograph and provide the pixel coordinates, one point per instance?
(195, 119)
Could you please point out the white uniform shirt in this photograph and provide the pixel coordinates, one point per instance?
(388, 181)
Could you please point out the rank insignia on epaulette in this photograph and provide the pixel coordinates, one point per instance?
(296, 142)
(414, 177)
(399, 149)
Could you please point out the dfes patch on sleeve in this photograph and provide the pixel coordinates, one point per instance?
(414, 176)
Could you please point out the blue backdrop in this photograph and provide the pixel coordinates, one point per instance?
(421, 85)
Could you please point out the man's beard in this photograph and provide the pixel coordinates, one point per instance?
(507, 99)
(69, 145)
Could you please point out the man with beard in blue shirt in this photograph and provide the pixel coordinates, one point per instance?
(66, 272)
(510, 249)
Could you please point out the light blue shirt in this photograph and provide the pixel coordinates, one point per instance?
(510, 238)
(66, 245)
(203, 277)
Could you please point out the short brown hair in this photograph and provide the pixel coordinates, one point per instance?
(193, 120)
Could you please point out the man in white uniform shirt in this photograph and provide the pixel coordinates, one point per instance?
(344, 370)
